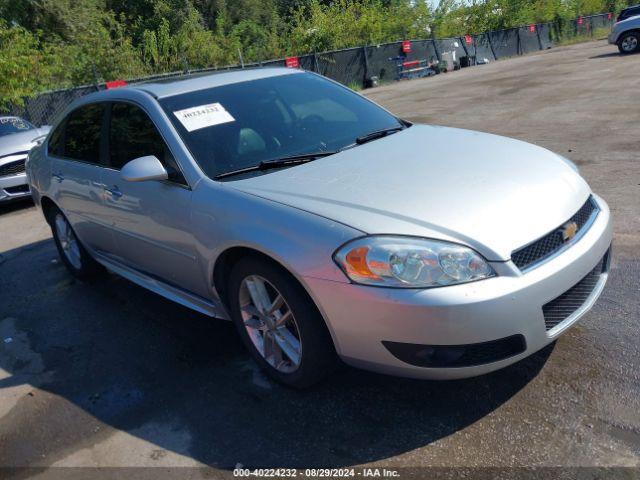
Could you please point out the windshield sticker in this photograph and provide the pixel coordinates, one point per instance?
(17, 123)
(203, 116)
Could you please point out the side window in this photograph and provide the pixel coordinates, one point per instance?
(56, 139)
(82, 133)
(132, 134)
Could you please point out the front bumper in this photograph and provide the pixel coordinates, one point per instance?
(613, 38)
(361, 318)
(14, 187)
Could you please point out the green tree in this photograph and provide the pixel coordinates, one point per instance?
(57, 43)
(23, 68)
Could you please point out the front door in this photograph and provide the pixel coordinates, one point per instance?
(151, 220)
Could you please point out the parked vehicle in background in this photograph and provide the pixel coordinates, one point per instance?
(17, 137)
(322, 225)
(625, 33)
(632, 11)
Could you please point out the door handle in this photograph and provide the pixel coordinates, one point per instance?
(114, 192)
(58, 176)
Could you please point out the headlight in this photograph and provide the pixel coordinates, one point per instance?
(407, 262)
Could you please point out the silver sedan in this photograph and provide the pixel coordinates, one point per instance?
(322, 225)
(17, 137)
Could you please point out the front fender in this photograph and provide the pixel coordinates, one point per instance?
(300, 241)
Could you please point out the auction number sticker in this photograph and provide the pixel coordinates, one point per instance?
(203, 116)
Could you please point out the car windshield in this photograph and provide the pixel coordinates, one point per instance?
(240, 125)
(9, 125)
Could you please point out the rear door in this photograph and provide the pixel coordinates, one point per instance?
(76, 170)
(152, 219)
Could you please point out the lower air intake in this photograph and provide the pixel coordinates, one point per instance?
(562, 307)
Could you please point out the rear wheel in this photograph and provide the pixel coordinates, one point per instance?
(74, 256)
(629, 42)
(279, 324)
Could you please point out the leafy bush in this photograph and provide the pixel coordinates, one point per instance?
(48, 44)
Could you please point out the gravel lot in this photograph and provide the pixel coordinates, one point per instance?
(111, 375)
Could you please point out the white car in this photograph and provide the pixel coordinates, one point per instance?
(17, 137)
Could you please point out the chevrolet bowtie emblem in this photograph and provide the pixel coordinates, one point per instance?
(568, 231)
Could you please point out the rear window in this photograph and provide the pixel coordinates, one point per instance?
(10, 125)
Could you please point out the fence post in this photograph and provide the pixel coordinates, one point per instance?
(366, 67)
(241, 59)
(488, 34)
(435, 49)
(95, 76)
(315, 63)
(538, 35)
(463, 42)
(519, 42)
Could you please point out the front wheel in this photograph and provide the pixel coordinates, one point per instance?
(629, 42)
(279, 324)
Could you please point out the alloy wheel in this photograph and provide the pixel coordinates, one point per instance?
(68, 241)
(270, 324)
(629, 44)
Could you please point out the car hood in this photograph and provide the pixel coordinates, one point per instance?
(492, 193)
(20, 142)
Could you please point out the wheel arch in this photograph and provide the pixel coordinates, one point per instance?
(229, 257)
(621, 35)
(48, 206)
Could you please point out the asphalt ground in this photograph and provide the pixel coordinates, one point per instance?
(109, 375)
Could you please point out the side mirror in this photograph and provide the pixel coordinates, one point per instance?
(143, 169)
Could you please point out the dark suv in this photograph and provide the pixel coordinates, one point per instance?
(629, 12)
(625, 33)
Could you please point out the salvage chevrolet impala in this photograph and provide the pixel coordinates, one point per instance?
(322, 225)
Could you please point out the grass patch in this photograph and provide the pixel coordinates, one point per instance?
(597, 34)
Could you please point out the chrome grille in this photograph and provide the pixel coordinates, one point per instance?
(553, 241)
(562, 307)
(12, 168)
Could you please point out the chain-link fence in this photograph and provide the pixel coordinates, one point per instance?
(361, 67)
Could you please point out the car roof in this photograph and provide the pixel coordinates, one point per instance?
(170, 86)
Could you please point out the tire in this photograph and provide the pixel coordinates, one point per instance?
(74, 256)
(629, 43)
(250, 279)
